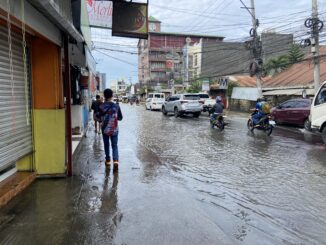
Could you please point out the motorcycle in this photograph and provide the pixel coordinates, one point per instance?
(266, 124)
(217, 120)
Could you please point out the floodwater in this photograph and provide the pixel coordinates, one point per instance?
(254, 187)
(180, 182)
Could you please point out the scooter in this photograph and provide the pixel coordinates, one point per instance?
(217, 120)
(266, 124)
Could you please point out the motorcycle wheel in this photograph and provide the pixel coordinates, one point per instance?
(269, 131)
(250, 125)
(221, 124)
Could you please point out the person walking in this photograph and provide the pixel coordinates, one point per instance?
(95, 107)
(110, 113)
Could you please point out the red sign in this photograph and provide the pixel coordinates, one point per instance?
(169, 64)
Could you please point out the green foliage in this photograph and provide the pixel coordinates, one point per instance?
(231, 85)
(295, 54)
(195, 87)
(280, 63)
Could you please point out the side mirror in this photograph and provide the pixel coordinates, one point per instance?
(279, 107)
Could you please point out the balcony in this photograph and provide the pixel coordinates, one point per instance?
(162, 69)
(157, 58)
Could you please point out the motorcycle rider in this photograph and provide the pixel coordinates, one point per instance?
(261, 110)
(217, 108)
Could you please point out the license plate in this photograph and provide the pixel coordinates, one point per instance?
(272, 123)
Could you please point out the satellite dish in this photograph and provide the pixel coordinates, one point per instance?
(188, 40)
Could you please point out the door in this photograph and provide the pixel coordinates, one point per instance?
(318, 108)
(282, 111)
(15, 121)
(298, 113)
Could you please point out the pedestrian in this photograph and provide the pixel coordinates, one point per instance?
(96, 116)
(111, 114)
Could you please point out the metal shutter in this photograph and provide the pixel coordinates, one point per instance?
(15, 130)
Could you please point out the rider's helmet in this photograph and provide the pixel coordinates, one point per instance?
(218, 99)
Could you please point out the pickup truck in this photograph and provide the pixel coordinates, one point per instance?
(318, 112)
(206, 101)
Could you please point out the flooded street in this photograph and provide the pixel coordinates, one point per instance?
(180, 182)
(254, 187)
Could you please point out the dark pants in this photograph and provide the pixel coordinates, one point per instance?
(114, 145)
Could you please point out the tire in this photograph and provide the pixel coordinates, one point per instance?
(222, 125)
(323, 135)
(150, 108)
(197, 114)
(176, 112)
(269, 131)
(307, 124)
(164, 111)
(250, 125)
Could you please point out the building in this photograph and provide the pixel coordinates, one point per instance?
(40, 42)
(192, 61)
(160, 58)
(119, 87)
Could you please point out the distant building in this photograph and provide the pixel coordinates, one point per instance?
(160, 58)
(119, 86)
(192, 61)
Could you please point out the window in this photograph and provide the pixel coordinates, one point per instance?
(321, 97)
(204, 96)
(195, 60)
(288, 105)
(191, 97)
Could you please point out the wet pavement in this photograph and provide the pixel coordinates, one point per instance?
(181, 182)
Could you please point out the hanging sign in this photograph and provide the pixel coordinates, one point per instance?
(100, 13)
(130, 19)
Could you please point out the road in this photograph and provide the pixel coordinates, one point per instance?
(181, 182)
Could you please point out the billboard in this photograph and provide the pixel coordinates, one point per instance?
(100, 13)
(130, 19)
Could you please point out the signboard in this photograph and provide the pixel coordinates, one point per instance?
(169, 64)
(205, 85)
(223, 82)
(130, 19)
(100, 13)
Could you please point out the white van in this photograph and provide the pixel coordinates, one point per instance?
(318, 111)
(155, 101)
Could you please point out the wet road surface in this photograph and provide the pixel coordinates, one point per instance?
(181, 182)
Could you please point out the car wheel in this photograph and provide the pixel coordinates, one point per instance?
(307, 124)
(176, 112)
(197, 114)
(150, 108)
(164, 111)
(323, 135)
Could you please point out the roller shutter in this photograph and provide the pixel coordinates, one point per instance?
(15, 123)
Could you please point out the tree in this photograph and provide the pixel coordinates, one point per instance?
(295, 54)
(276, 65)
(195, 87)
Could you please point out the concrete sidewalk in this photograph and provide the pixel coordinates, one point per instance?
(142, 204)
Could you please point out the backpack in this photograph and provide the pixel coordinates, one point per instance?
(110, 120)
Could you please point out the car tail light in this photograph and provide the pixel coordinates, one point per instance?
(183, 102)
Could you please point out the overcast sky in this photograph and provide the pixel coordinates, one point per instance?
(214, 17)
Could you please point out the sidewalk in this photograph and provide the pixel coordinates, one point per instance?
(142, 204)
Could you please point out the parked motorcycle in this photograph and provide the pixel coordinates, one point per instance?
(265, 124)
(217, 120)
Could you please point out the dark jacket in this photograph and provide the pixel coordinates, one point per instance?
(218, 108)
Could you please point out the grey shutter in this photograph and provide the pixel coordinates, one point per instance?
(15, 131)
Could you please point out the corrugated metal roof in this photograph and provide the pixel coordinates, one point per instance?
(241, 93)
(246, 81)
(297, 91)
(300, 73)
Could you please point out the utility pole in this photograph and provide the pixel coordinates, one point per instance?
(255, 45)
(315, 41)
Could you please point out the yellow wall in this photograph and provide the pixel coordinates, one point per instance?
(26, 163)
(49, 136)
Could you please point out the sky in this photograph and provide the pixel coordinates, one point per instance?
(117, 57)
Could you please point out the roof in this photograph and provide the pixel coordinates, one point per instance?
(245, 80)
(299, 74)
(153, 19)
(184, 35)
(293, 91)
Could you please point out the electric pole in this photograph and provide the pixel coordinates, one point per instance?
(315, 41)
(256, 65)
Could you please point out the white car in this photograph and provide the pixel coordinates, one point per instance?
(154, 103)
(206, 101)
(181, 104)
(318, 111)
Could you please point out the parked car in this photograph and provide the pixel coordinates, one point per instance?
(206, 101)
(295, 112)
(154, 103)
(318, 112)
(181, 104)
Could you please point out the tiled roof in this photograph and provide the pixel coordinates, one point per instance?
(246, 81)
(300, 74)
